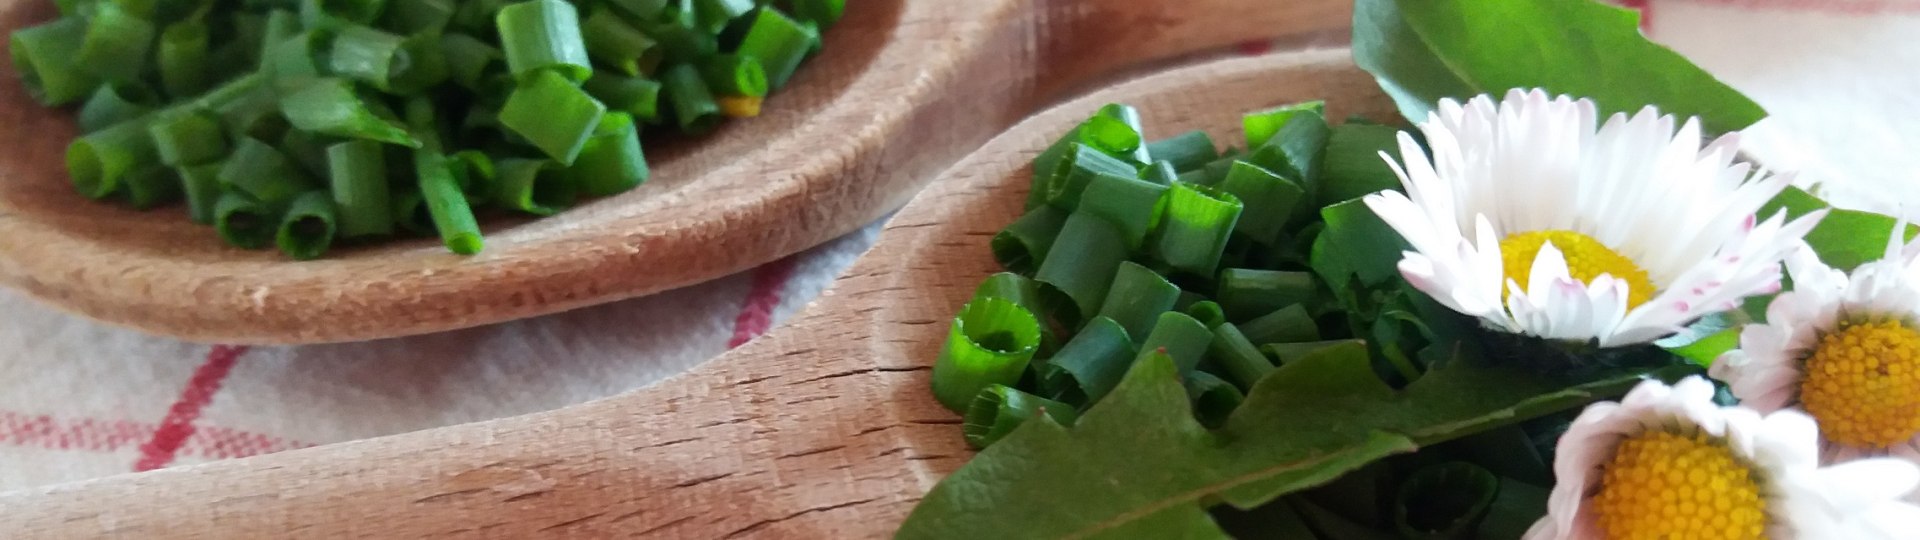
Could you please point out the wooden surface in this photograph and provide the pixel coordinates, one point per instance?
(904, 88)
(823, 429)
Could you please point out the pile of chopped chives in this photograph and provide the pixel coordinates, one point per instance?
(1132, 248)
(299, 123)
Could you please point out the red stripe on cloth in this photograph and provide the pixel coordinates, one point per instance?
(178, 426)
(756, 314)
(97, 435)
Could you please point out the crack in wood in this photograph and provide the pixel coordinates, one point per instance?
(803, 453)
(448, 495)
(701, 480)
(572, 522)
(526, 496)
(723, 422)
(937, 422)
(662, 526)
(670, 443)
(810, 399)
(755, 380)
(798, 352)
(770, 522)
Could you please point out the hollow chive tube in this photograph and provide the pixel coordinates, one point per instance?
(117, 43)
(1291, 324)
(201, 184)
(611, 162)
(683, 43)
(359, 11)
(636, 96)
(452, 215)
(1287, 353)
(410, 213)
(1248, 293)
(291, 62)
(990, 343)
(1238, 357)
(1193, 234)
(693, 106)
(1079, 167)
(1262, 126)
(99, 161)
(184, 68)
(262, 172)
(476, 17)
(426, 66)
(1269, 201)
(331, 106)
(1082, 264)
(552, 114)
(415, 17)
(1129, 133)
(735, 75)
(1469, 492)
(1129, 203)
(1207, 312)
(1186, 151)
(1212, 173)
(307, 228)
(820, 12)
(362, 197)
(714, 15)
(779, 42)
(114, 103)
(1000, 409)
(1137, 298)
(1180, 336)
(368, 55)
(544, 35)
(468, 59)
(644, 10)
(1161, 173)
(281, 25)
(1214, 399)
(528, 186)
(1023, 246)
(43, 55)
(244, 222)
(186, 138)
(1025, 292)
(611, 41)
(1090, 365)
(476, 174)
(152, 186)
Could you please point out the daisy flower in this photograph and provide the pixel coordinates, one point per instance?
(1665, 462)
(1531, 219)
(1844, 349)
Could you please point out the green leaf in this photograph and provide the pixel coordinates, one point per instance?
(1154, 467)
(1355, 245)
(1707, 339)
(1425, 50)
(1353, 166)
(1846, 238)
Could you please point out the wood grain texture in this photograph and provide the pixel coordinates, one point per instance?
(904, 88)
(823, 429)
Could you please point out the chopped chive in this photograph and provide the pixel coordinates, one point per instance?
(1214, 399)
(202, 186)
(544, 35)
(293, 62)
(1090, 365)
(1119, 129)
(308, 150)
(1248, 293)
(1076, 169)
(635, 96)
(468, 59)
(1022, 246)
(611, 162)
(263, 173)
(990, 343)
(715, 14)
(114, 103)
(307, 228)
(1137, 298)
(452, 215)
(1180, 336)
(1291, 324)
(193, 137)
(1129, 203)
(1287, 353)
(426, 68)
(1160, 172)
(643, 10)
(1269, 201)
(1187, 151)
(415, 17)
(552, 114)
(1000, 409)
(1262, 126)
(1236, 354)
(476, 174)
(244, 222)
(477, 17)
(281, 25)
(735, 75)
(43, 55)
(1208, 312)
(820, 12)
(529, 186)
(1023, 291)
(361, 192)
(331, 106)
(693, 105)
(1193, 235)
(358, 11)
(116, 44)
(779, 42)
(99, 162)
(368, 55)
(1296, 149)
(184, 68)
(683, 43)
(1082, 264)
(410, 213)
(611, 41)
(152, 186)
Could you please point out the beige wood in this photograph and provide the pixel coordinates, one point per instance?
(824, 429)
(904, 88)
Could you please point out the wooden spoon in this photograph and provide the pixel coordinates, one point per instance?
(902, 90)
(824, 429)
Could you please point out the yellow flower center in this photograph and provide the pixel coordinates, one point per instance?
(1662, 485)
(1586, 259)
(1863, 384)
